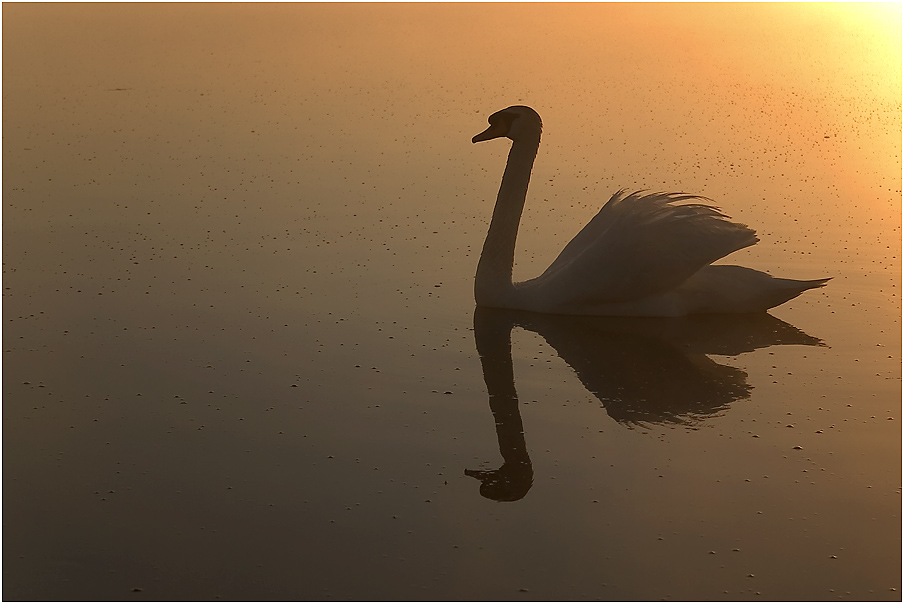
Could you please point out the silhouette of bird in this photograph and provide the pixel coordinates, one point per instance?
(641, 255)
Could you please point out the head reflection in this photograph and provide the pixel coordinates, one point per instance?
(643, 371)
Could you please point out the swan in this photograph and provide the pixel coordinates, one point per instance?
(641, 255)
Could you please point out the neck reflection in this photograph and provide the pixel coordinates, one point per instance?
(512, 481)
(643, 371)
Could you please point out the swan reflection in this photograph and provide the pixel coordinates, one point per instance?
(643, 371)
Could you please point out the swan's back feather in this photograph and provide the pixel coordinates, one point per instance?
(640, 245)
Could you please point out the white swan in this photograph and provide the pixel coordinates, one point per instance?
(641, 255)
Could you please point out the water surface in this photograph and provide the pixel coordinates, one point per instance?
(240, 345)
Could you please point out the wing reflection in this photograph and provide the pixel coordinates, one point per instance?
(643, 371)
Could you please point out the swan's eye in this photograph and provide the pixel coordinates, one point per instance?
(502, 120)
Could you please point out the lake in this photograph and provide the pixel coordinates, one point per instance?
(242, 358)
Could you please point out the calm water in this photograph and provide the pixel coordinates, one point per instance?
(240, 345)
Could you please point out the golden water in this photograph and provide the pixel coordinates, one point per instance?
(240, 356)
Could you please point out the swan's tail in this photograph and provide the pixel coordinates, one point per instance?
(725, 288)
(783, 290)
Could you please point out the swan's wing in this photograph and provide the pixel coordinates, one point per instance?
(640, 245)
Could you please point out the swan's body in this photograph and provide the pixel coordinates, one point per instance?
(641, 255)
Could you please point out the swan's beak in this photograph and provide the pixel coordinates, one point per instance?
(494, 131)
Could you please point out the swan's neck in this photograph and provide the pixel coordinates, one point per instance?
(493, 284)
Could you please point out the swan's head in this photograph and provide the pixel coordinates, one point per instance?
(515, 123)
